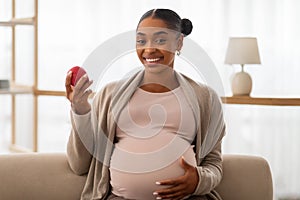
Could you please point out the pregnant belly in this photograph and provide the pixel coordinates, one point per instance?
(141, 184)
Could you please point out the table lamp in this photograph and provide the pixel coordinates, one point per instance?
(242, 50)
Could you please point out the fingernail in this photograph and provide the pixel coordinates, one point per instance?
(158, 198)
(157, 183)
(155, 193)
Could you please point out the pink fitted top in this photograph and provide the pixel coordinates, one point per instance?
(154, 131)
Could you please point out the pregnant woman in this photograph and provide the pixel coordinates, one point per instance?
(154, 135)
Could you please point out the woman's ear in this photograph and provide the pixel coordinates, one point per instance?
(180, 42)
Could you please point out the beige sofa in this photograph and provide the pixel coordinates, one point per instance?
(48, 176)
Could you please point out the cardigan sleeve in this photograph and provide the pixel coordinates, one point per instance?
(78, 155)
(210, 170)
(81, 146)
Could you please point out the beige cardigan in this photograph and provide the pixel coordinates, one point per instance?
(86, 156)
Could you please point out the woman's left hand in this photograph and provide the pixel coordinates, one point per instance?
(181, 186)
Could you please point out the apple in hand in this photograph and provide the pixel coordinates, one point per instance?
(77, 73)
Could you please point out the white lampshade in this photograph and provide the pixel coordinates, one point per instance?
(242, 50)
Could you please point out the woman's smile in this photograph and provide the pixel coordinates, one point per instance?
(153, 60)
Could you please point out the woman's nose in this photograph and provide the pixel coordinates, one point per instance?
(150, 49)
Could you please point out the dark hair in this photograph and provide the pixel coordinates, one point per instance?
(171, 18)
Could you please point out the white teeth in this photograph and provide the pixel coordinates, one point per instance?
(152, 59)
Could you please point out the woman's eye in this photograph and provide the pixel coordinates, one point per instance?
(160, 41)
(140, 42)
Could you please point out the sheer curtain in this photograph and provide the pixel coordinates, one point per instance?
(70, 30)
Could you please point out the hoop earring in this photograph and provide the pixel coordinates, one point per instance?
(178, 53)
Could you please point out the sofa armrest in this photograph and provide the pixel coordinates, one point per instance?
(38, 176)
(245, 177)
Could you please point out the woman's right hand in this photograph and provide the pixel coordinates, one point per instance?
(78, 94)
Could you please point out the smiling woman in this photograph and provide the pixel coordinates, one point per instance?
(154, 135)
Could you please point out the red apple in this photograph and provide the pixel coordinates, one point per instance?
(77, 73)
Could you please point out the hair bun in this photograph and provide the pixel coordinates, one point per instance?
(186, 26)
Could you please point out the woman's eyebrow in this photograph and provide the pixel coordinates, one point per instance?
(140, 33)
(160, 32)
(157, 33)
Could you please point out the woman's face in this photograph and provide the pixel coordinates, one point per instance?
(156, 44)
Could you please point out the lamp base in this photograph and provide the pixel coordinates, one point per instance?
(241, 84)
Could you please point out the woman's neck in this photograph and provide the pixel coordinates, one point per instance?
(159, 82)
